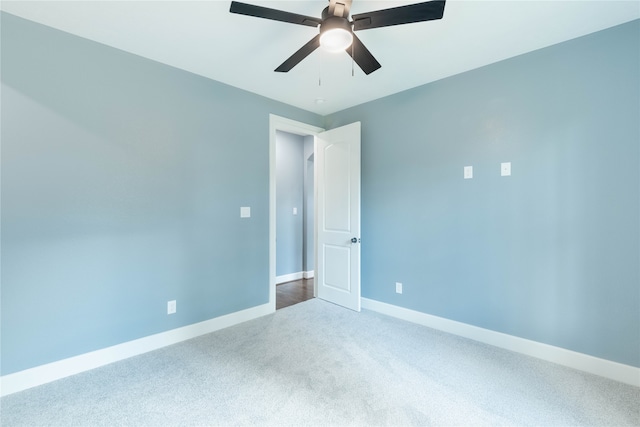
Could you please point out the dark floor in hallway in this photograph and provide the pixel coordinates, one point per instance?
(291, 293)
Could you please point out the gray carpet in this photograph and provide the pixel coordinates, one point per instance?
(302, 366)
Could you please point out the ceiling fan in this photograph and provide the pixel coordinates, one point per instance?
(337, 31)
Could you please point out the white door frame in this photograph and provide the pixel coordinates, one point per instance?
(297, 128)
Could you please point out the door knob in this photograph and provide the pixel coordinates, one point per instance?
(354, 240)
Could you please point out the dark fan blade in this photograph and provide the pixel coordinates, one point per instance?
(302, 53)
(274, 14)
(362, 56)
(419, 12)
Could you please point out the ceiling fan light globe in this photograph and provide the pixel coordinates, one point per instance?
(336, 39)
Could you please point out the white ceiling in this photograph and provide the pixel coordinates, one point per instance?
(204, 38)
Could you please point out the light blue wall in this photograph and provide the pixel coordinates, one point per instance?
(551, 253)
(289, 195)
(122, 182)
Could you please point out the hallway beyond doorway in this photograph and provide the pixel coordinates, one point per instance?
(291, 293)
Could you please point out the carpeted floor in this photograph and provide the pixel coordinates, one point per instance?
(318, 364)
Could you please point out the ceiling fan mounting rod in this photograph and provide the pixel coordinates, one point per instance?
(339, 8)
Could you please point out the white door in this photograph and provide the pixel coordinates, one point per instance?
(338, 216)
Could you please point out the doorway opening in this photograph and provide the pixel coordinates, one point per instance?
(294, 218)
(292, 192)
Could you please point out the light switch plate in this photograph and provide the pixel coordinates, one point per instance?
(468, 172)
(295, 211)
(171, 307)
(245, 212)
(505, 169)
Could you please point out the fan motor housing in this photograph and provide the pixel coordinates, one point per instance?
(333, 22)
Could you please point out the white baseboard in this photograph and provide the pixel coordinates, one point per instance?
(583, 362)
(289, 277)
(43, 374)
(294, 276)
